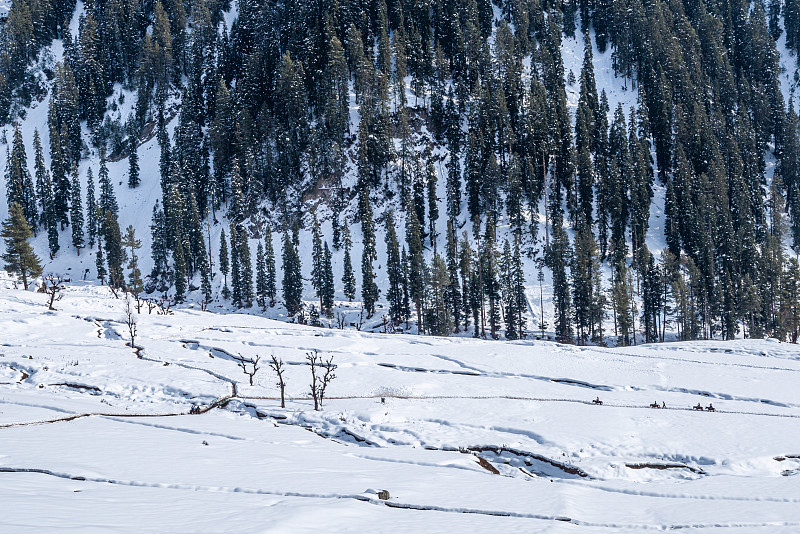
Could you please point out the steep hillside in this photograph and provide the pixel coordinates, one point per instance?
(664, 133)
(464, 435)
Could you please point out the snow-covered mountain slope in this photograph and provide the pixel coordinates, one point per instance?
(136, 204)
(465, 435)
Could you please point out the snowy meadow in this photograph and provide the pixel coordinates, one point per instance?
(463, 435)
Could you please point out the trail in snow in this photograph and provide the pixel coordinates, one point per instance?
(397, 504)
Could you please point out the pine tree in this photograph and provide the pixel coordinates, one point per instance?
(165, 157)
(369, 289)
(92, 76)
(317, 261)
(221, 132)
(197, 246)
(223, 264)
(433, 203)
(246, 266)
(585, 270)
(19, 184)
(179, 269)
(135, 284)
(261, 277)
(205, 279)
(489, 275)
(236, 273)
(507, 286)
(58, 166)
(623, 307)
(518, 295)
(465, 265)
(292, 277)
(439, 319)
(405, 310)
(348, 276)
(108, 201)
(44, 187)
(160, 275)
(133, 162)
(651, 298)
(76, 213)
(313, 316)
(270, 287)
(394, 272)
(237, 205)
(672, 220)
(19, 256)
(100, 263)
(790, 302)
(44, 190)
(291, 105)
(92, 214)
(328, 288)
(115, 255)
(416, 265)
(453, 295)
(453, 183)
(557, 258)
(162, 61)
(418, 196)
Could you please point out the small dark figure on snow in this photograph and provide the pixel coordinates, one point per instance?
(711, 408)
(698, 407)
(663, 404)
(597, 401)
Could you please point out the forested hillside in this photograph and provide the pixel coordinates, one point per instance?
(437, 162)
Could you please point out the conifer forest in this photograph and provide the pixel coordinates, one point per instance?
(589, 171)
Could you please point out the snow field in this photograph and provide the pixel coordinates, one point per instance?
(411, 415)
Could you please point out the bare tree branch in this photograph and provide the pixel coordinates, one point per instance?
(277, 366)
(54, 285)
(320, 383)
(249, 366)
(313, 359)
(130, 320)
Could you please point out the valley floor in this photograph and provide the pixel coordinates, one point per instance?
(465, 435)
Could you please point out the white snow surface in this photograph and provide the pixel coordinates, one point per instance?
(410, 415)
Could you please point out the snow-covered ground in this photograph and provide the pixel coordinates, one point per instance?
(465, 435)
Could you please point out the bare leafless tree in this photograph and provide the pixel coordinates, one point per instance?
(327, 377)
(277, 366)
(53, 286)
(249, 366)
(130, 319)
(164, 305)
(320, 383)
(313, 361)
